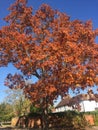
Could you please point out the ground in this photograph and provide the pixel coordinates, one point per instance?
(91, 128)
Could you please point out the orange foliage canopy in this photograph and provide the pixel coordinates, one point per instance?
(61, 53)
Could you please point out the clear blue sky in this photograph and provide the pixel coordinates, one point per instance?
(76, 9)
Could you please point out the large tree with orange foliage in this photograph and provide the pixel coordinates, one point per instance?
(61, 53)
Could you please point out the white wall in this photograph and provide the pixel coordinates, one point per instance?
(64, 108)
(88, 106)
(60, 109)
(96, 104)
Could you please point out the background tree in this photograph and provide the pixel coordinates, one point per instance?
(20, 104)
(60, 53)
(6, 112)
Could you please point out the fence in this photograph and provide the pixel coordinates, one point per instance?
(6, 123)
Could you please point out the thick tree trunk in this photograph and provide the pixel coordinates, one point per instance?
(45, 123)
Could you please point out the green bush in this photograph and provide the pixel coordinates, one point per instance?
(69, 119)
(96, 119)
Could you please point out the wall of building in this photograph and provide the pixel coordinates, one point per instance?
(87, 106)
(63, 108)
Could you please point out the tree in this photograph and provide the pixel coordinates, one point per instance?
(17, 100)
(6, 112)
(61, 53)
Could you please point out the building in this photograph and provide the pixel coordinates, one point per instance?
(81, 102)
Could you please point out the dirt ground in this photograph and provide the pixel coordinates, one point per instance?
(91, 128)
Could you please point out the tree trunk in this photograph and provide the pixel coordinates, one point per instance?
(45, 124)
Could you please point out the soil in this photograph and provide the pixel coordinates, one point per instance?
(92, 128)
(88, 128)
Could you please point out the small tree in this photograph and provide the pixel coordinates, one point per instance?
(60, 53)
(17, 100)
(6, 112)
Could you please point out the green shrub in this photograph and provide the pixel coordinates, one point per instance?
(69, 119)
(96, 119)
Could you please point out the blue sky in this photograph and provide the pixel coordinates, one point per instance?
(76, 9)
